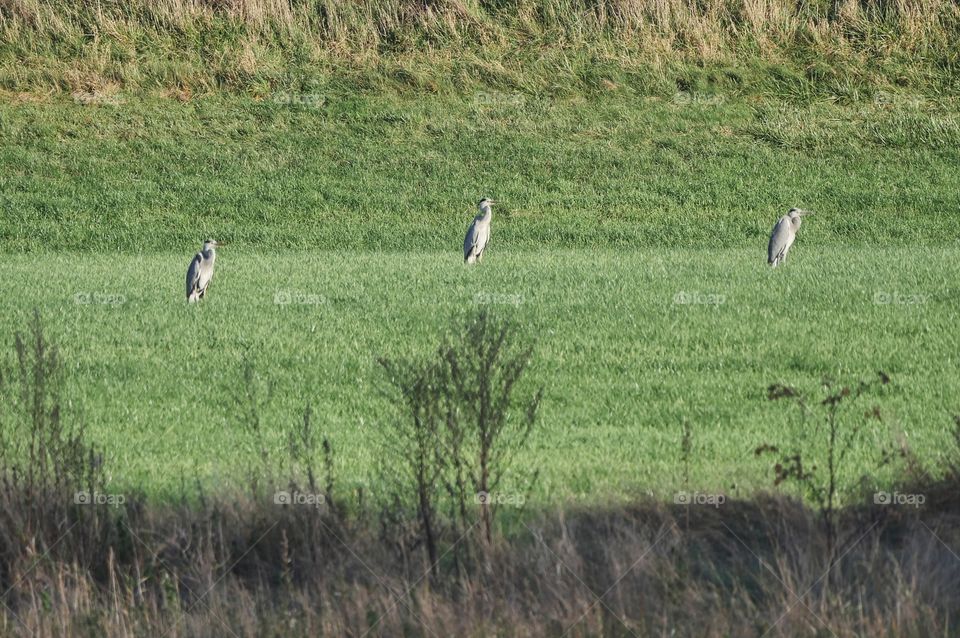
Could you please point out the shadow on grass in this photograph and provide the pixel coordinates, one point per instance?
(246, 566)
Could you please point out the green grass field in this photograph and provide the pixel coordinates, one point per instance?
(620, 218)
(629, 345)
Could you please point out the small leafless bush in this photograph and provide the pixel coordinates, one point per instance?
(822, 486)
(461, 425)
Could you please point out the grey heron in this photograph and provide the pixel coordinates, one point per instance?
(783, 235)
(200, 271)
(479, 233)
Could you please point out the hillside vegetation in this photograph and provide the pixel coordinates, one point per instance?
(402, 174)
(783, 47)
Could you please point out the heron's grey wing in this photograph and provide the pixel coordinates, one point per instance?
(470, 240)
(206, 274)
(483, 236)
(193, 275)
(778, 239)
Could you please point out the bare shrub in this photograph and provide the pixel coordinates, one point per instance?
(822, 487)
(463, 424)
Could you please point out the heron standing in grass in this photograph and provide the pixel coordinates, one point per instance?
(479, 233)
(783, 235)
(201, 270)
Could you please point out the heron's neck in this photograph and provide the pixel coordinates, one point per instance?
(209, 253)
(486, 212)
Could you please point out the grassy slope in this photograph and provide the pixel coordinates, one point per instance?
(402, 174)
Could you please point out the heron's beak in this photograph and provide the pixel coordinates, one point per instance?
(804, 213)
(222, 243)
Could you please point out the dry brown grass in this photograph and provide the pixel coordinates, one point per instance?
(77, 559)
(212, 44)
(249, 568)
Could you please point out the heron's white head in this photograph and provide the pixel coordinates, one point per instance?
(211, 244)
(485, 204)
(796, 213)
